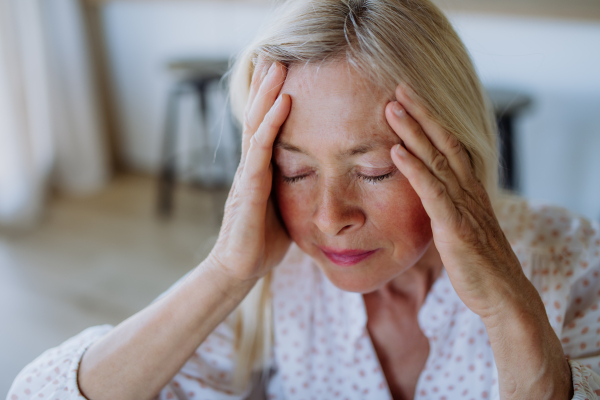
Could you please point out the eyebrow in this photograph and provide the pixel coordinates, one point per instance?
(289, 147)
(360, 149)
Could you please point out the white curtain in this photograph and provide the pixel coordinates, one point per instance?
(50, 130)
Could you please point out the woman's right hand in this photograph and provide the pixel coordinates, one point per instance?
(252, 240)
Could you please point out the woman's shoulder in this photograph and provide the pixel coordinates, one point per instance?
(546, 228)
(560, 254)
(555, 246)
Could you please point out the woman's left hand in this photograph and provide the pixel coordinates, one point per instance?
(479, 260)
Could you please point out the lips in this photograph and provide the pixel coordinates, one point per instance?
(346, 257)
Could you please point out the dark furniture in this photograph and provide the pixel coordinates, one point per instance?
(193, 76)
(507, 106)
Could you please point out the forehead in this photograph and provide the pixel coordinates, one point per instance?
(333, 100)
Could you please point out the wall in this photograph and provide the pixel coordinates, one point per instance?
(142, 38)
(579, 9)
(554, 61)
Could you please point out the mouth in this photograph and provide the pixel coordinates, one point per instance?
(346, 257)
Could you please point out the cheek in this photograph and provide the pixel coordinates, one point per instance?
(293, 206)
(398, 214)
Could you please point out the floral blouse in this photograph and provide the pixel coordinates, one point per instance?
(323, 349)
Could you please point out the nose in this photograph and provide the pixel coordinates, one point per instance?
(336, 213)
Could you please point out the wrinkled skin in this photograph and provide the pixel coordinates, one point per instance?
(336, 183)
(336, 187)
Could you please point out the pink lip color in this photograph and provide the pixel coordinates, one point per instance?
(346, 258)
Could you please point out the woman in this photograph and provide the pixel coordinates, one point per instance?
(367, 144)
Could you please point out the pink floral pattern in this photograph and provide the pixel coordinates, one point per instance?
(323, 349)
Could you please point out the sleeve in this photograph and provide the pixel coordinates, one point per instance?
(560, 255)
(562, 260)
(586, 383)
(580, 333)
(53, 375)
(206, 375)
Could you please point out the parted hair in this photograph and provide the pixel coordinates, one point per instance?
(388, 42)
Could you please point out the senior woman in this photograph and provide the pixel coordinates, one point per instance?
(365, 251)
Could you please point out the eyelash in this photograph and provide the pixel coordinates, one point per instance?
(293, 179)
(375, 179)
(367, 178)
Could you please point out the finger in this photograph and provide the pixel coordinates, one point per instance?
(433, 194)
(260, 70)
(419, 145)
(446, 143)
(265, 97)
(256, 177)
(260, 73)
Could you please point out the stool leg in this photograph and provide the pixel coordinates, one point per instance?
(203, 100)
(167, 174)
(237, 140)
(508, 172)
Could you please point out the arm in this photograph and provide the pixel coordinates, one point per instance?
(478, 258)
(144, 352)
(568, 287)
(528, 354)
(207, 374)
(141, 355)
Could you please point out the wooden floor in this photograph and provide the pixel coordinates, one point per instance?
(94, 261)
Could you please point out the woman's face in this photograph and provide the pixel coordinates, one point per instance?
(341, 198)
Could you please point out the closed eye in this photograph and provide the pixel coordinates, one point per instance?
(375, 179)
(367, 178)
(293, 179)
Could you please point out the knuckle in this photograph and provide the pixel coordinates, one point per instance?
(259, 144)
(269, 120)
(439, 163)
(238, 173)
(453, 144)
(414, 128)
(256, 142)
(439, 191)
(248, 124)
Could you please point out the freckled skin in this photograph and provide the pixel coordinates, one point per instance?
(334, 109)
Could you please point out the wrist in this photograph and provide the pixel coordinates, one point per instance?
(515, 300)
(231, 287)
(528, 354)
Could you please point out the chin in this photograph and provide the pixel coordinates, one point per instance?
(355, 280)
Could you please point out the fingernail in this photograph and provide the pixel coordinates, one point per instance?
(278, 101)
(398, 110)
(399, 150)
(271, 68)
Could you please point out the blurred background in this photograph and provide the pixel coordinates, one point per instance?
(117, 146)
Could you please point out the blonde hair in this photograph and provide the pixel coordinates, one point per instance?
(388, 41)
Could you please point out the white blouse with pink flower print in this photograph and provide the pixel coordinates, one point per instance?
(323, 349)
